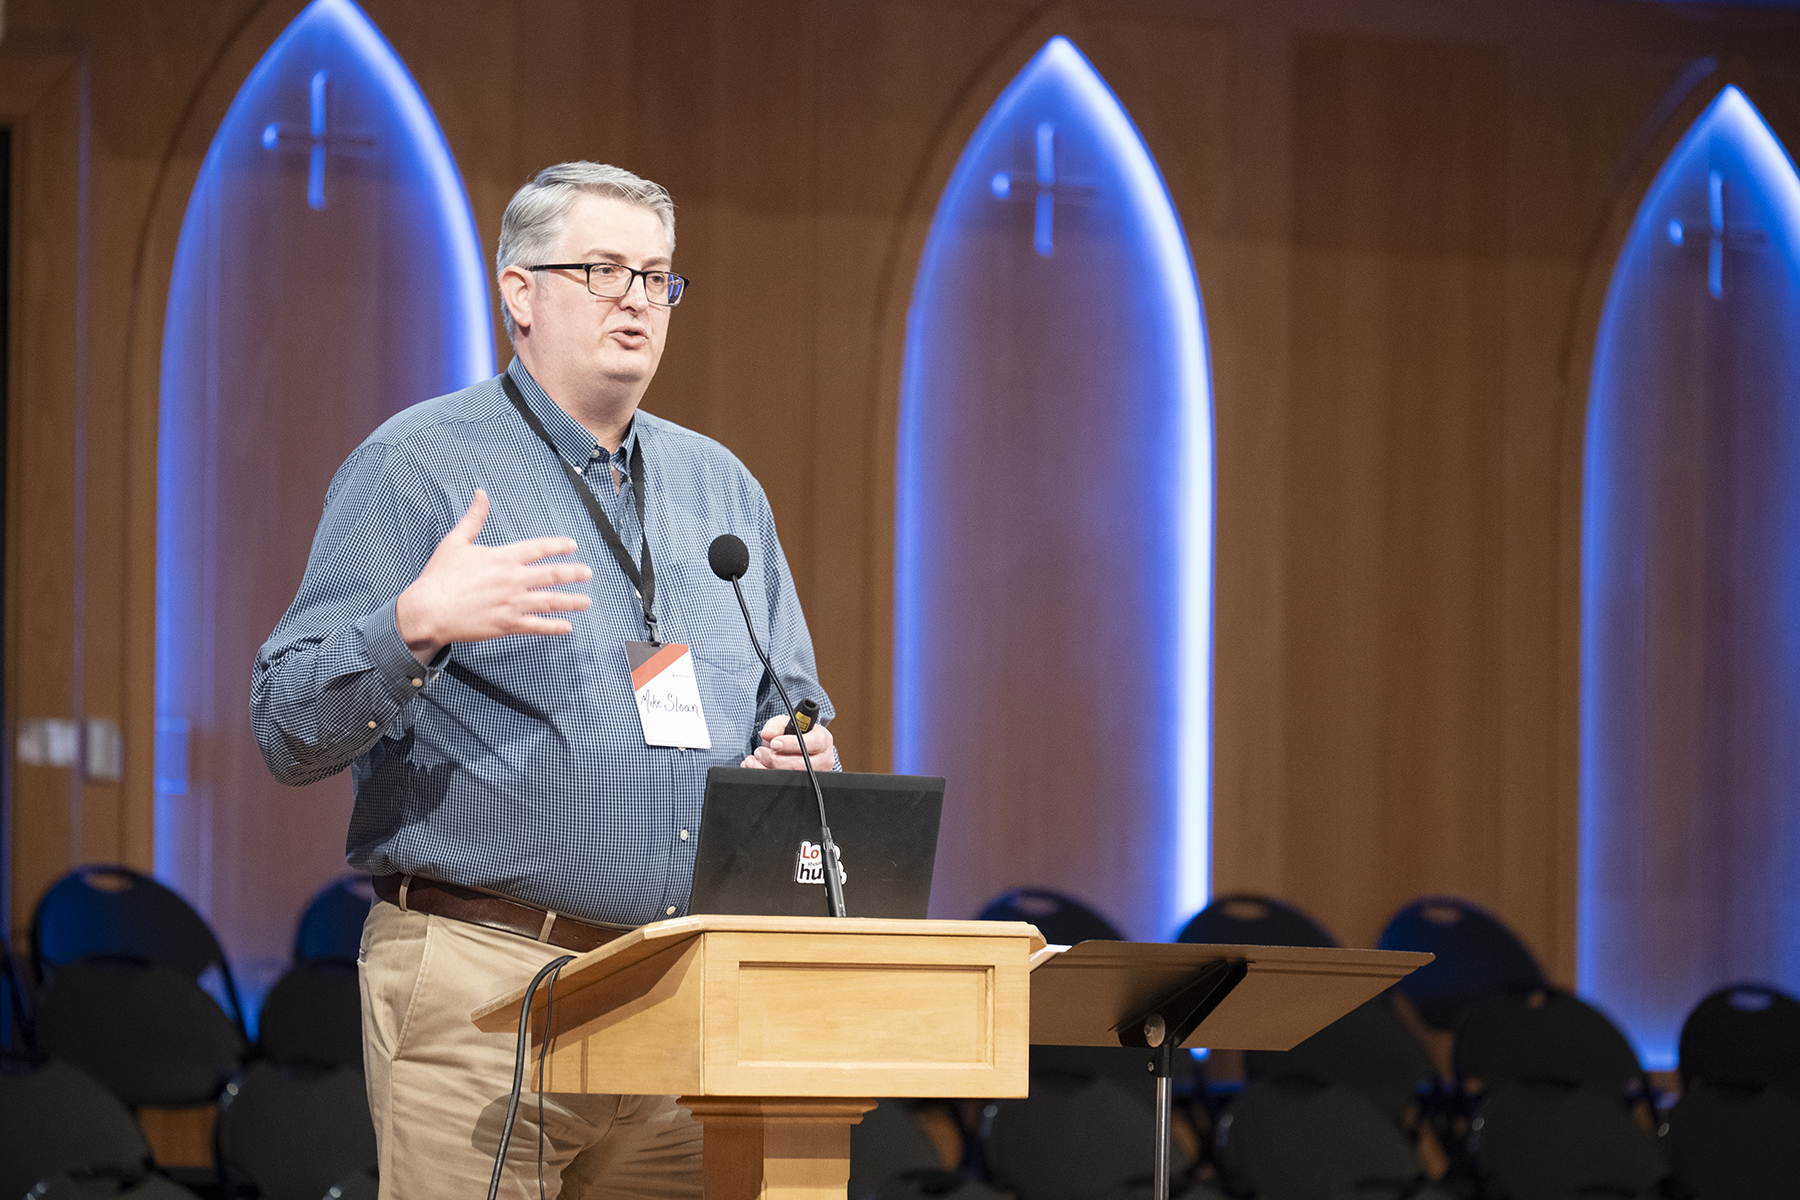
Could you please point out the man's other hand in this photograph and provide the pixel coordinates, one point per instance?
(470, 593)
(780, 750)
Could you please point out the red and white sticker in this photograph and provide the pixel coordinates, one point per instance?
(809, 867)
(668, 695)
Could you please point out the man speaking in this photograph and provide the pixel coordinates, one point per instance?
(490, 568)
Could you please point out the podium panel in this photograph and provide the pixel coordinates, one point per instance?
(791, 1006)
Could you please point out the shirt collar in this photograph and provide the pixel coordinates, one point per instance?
(571, 437)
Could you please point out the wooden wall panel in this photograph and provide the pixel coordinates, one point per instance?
(1396, 352)
(48, 142)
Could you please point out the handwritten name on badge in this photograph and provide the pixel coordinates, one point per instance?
(668, 695)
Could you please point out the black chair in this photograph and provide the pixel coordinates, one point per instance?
(114, 912)
(1075, 1138)
(1063, 920)
(1303, 1140)
(1477, 956)
(1733, 1133)
(1734, 1144)
(294, 1134)
(56, 1119)
(1745, 1036)
(1563, 1106)
(1551, 1141)
(109, 1184)
(358, 1185)
(890, 1147)
(332, 925)
(1247, 919)
(145, 1031)
(1140, 1190)
(1369, 1050)
(939, 1186)
(313, 1016)
(1546, 1036)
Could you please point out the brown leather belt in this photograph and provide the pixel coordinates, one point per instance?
(415, 893)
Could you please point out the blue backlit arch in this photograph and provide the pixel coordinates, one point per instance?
(1690, 652)
(328, 274)
(1053, 575)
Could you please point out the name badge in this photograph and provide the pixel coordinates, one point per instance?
(668, 695)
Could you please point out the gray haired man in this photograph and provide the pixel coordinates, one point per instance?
(464, 639)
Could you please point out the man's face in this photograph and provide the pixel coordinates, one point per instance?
(592, 337)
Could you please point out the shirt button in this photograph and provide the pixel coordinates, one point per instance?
(418, 683)
(670, 911)
(581, 470)
(684, 835)
(373, 725)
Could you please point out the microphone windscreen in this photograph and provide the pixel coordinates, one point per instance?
(728, 556)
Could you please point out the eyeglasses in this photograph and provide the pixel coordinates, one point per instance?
(613, 280)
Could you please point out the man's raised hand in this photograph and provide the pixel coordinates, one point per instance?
(471, 593)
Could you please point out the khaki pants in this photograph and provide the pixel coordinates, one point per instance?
(438, 1087)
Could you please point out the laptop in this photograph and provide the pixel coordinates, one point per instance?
(759, 849)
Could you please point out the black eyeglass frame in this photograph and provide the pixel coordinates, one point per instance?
(679, 283)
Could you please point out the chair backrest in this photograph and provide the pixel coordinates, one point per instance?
(1477, 956)
(332, 925)
(145, 1031)
(1247, 919)
(109, 1185)
(361, 1184)
(294, 1134)
(1071, 1140)
(1303, 1141)
(1369, 1050)
(1545, 1036)
(313, 1016)
(1551, 1140)
(59, 1119)
(1730, 1142)
(888, 1144)
(1743, 1036)
(1063, 920)
(110, 911)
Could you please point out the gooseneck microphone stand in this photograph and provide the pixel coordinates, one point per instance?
(729, 559)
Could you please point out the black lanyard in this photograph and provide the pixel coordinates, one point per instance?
(644, 581)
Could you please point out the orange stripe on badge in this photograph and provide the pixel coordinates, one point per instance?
(656, 664)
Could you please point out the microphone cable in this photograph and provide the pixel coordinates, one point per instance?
(551, 969)
(729, 558)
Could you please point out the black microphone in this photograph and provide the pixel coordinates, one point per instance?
(729, 559)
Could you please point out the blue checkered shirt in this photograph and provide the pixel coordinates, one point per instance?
(519, 764)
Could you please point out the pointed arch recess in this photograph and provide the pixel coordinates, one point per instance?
(1056, 151)
(1690, 588)
(327, 273)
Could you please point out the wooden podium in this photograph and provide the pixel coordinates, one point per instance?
(778, 1032)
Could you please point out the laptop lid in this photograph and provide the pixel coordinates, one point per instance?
(759, 843)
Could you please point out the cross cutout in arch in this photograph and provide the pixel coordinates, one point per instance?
(317, 140)
(1721, 236)
(1049, 187)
